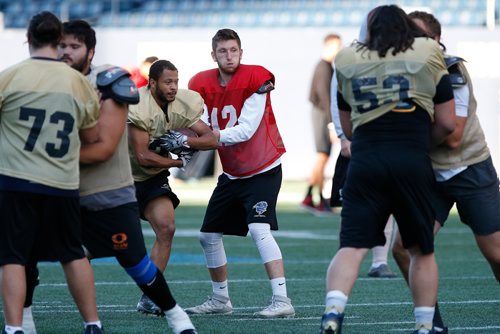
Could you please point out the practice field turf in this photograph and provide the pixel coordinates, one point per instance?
(468, 293)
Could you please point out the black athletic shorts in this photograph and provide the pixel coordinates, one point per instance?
(390, 173)
(152, 188)
(114, 232)
(476, 194)
(236, 203)
(39, 227)
(338, 180)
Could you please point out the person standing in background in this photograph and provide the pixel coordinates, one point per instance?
(140, 75)
(322, 124)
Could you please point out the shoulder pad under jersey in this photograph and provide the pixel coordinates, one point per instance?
(266, 87)
(115, 83)
(457, 78)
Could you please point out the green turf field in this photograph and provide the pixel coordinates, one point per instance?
(469, 296)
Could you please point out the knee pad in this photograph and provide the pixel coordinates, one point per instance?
(213, 248)
(267, 246)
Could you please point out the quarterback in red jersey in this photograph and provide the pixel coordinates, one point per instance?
(241, 154)
(238, 109)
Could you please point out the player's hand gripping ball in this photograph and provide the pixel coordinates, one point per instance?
(173, 141)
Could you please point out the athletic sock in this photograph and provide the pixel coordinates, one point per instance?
(423, 318)
(220, 288)
(279, 286)
(28, 322)
(377, 264)
(12, 329)
(97, 323)
(178, 320)
(335, 301)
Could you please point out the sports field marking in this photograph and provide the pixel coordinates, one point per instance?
(297, 234)
(253, 280)
(49, 308)
(283, 234)
(45, 307)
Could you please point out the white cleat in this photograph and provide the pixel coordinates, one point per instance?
(215, 304)
(280, 307)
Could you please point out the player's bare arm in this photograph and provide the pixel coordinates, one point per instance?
(444, 121)
(112, 121)
(139, 140)
(455, 138)
(345, 121)
(206, 139)
(89, 135)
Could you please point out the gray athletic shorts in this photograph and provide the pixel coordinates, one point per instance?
(320, 131)
(476, 194)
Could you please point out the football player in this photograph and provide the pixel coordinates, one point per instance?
(463, 168)
(110, 214)
(394, 96)
(238, 108)
(47, 110)
(162, 108)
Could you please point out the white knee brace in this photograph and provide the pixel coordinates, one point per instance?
(213, 248)
(267, 246)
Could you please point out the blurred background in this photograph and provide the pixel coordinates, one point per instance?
(284, 36)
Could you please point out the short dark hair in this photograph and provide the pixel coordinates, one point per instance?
(82, 31)
(158, 67)
(150, 60)
(225, 35)
(331, 36)
(390, 27)
(44, 29)
(431, 23)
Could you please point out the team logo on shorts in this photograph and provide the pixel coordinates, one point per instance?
(260, 208)
(120, 241)
(166, 186)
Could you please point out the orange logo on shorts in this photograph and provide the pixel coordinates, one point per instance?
(120, 241)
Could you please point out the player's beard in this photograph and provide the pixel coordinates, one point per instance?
(226, 70)
(161, 96)
(81, 64)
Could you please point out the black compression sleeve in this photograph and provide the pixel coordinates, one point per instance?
(444, 90)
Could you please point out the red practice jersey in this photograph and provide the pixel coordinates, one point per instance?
(224, 105)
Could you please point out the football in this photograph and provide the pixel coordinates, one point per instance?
(157, 145)
(186, 131)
